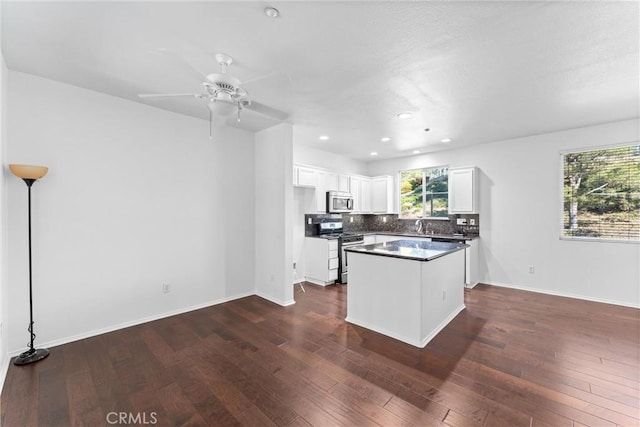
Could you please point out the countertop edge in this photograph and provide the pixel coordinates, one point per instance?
(407, 257)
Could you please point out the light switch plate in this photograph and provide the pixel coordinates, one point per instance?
(472, 221)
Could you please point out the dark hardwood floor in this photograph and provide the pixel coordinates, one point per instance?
(512, 358)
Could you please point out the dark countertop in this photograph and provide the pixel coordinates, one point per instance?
(409, 249)
(458, 237)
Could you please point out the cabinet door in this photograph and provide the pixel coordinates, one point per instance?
(343, 183)
(382, 194)
(306, 177)
(331, 181)
(462, 190)
(365, 195)
(356, 191)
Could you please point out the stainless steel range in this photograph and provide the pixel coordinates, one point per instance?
(333, 230)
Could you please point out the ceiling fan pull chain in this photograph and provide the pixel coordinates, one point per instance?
(210, 125)
(239, 108)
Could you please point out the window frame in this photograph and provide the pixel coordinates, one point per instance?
(561, 155)
(422, 168)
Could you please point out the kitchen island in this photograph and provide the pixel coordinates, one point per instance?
(406, 289)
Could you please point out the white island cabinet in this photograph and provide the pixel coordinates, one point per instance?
(408, 290)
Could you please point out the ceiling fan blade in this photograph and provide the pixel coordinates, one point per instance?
(169, 95)
(267, 111)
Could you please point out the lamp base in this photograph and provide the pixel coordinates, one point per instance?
(31, 356)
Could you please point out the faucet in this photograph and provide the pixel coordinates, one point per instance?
(419, 226)
(428, 228)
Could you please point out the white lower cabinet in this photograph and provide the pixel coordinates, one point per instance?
(471, 263)
(321, 260)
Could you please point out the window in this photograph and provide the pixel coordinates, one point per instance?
(601, 191)
(424, 193)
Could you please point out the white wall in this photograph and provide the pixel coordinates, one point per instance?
(135, 197)
(274, 213)
(520, 216)
(4, 359)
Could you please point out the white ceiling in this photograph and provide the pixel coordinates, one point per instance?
(475, 72)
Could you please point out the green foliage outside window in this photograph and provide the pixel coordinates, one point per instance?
(602, 193)
(424, 193)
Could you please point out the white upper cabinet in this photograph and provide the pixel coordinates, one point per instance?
(463, 190)
(365, 195)
(382, 199)
(304, 177)
(321, 191)
(331, 181)
(361, 190)
(371, 195)
(344, 183)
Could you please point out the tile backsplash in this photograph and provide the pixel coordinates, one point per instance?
(391, 223)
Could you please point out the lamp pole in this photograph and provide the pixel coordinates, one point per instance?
(29, 175)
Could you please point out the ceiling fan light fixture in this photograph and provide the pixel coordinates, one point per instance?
(385, 139)
(221, 106)
(271, 12)
(404, 115)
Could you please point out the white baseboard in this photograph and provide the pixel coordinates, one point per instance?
(275, 300)
(130, 323)
(562, 294)
(441, 326)
(383, 331)
(318, 282)
(416, 343)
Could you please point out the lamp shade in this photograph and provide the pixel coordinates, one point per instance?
(223, 105)
(29, 171)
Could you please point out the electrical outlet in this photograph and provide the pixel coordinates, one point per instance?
(472, 221)
(384, 219)
(350, 219)
(166, 288)
(532, 269)
(309, 221)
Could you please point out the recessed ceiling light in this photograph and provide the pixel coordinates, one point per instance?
(374, 153)
(271, 12)
(404, 115)
(445, 140)
(416, 151)
(385, 139)
(324, 137)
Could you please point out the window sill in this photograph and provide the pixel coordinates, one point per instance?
(596, 239)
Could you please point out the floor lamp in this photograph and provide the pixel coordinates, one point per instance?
(29, 175)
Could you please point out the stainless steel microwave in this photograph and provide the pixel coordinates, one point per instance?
(339, 201)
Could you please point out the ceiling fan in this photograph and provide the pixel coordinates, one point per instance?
(224, 95)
